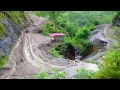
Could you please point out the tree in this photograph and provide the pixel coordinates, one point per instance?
(53, 16)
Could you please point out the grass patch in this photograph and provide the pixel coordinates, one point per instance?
(91, 61)
(42, 75)
(2, 15)
(84, 74)
(55, 75)
(18, 16)
(2, 30)
(3, 61)
(54, 52)
(58, 75)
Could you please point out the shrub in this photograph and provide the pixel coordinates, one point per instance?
(48, 28)
(58, 75)
(92, 27)
(3, 61)
(84, 74)
(62, 48)
(83, 33)
(55, 75)
(96, 23)
(54, 52)
(42, 75)
(110, 68)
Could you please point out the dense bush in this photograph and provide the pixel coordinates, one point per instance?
(110, 68)
(48, 28)
(77, 25)
(83, 32)
(82, 39)
(64, 48)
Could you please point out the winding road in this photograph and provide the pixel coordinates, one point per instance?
(36, 59)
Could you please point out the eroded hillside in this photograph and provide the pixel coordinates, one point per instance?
(12, 24)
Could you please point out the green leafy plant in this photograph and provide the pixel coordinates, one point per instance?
(84, 74)
(3, 61)
(110, 68)
(55, 75)
(48, 28)
(54, 52)
(58, 75)
(42, 75)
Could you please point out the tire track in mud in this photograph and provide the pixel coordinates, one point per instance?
(8, 75)
(38, 62)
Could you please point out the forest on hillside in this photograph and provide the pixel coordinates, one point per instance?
(78, 25)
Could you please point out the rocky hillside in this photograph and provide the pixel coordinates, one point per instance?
(12, 24)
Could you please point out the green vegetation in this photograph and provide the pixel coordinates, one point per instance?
(84, 74)
(115, 18)
(18, 16)
(77, 25)
(2, 30)
(48, 28)
(54, 52)
(2, 15)
(91, 61)
(55, 75)
(58, 75)
(15, 16)
(110, 68)
(64, 48)
(3, 61)
(41, 75)
(82, 40)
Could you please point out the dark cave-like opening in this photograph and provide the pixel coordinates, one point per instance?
(70, 54)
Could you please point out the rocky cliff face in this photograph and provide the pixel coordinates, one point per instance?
(12, 23)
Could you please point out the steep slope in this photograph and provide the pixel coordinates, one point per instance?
(27, 58)
(11, 25)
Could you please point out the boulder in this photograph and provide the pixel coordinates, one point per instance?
(97, 37)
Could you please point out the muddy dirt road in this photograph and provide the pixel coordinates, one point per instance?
(30, 55)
